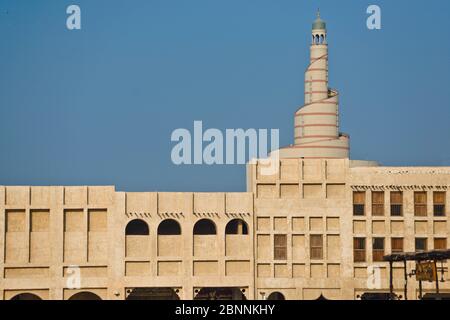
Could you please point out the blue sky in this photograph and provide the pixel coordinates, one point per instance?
(97, 106)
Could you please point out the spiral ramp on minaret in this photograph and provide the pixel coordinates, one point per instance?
(317, 121)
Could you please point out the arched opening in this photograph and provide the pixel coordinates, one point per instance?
(205, 239)
(170, 242)
(276, 296)
(85, 295)
(152, 294)
(26, 296)
(204, 227)
(237, 241)
(236, 226)
(137, 241)
(169, 227)
(219, 294)
(322, 39)
(317, 39)
(137, 227)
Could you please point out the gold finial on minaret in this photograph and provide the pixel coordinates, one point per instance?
(318, 13)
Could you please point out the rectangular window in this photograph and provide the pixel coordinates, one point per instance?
(439, 203)
(440, 243)
(280, 247)
(420, 204)
(396, 203)
(377, 249)
(359, 201)
(397, 245)
(359, 249)
(378, 203)
(316, 245)
(421, 244)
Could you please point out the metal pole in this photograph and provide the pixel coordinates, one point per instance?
(391, 284)
(437, 280)
(406, 279)
(420, 289)
(420, 283)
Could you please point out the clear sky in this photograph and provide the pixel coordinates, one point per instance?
(97, 106)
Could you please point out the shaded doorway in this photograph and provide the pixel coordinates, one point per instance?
(26, 296)
(276, 296)
(152, 293)
(219, 294)
(85, 295)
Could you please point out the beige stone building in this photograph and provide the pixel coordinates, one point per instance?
(319, 225)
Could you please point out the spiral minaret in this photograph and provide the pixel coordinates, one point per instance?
(316, 133)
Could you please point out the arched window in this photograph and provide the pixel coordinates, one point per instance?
(322, 38)
(85, 295)
(137, 227)
(317, 39)
(26, 296)
(204, 227)
(276, 296)
(169, 227)
(236, 226)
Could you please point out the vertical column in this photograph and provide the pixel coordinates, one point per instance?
(56, 236)
(116, 243)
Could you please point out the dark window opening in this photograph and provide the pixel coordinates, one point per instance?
(439, 203)
(169, 227)
(358, 209)
(439, 210)
(137, 228)
(204, 227)
(359, 201)
(359, 249)
(396, 203)
(236, 226)
(276, 296)
(85, 296)
(26, 296)
(421, 244)
(377, 249)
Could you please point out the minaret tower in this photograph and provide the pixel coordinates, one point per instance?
(317, 121)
